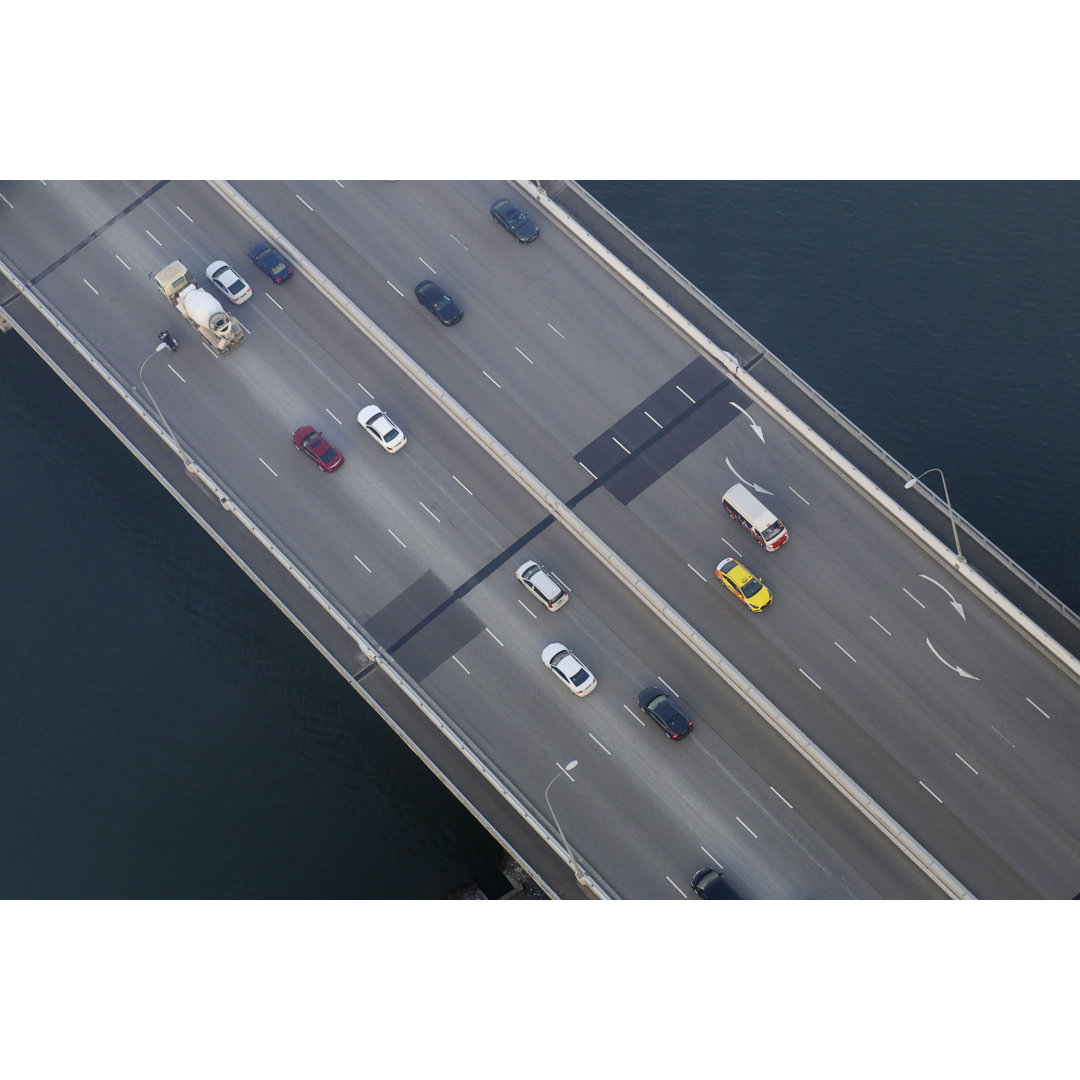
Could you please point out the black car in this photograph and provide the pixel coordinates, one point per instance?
(658, 705)
(709, 884)
(271, 262)
(438, 302)
(515, 221)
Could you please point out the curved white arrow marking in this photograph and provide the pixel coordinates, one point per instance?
(958, 670)
(757, 430)
(749, 483)
(952, 600)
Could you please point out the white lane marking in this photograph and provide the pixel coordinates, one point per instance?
(587, 469)
(396, 537)
(917, 600)
(1034, 706)
(339, 183)
(801, 672)
(798, 496)
(959, 670)
(488, 376)
(746, 827)
(462, 666)
(453, 237)
(921, 784)
(668, 685)
(845, 652)
(968, 764)
(872, 619)
(563, 336)
(1012, 744)
(177, 374)
(619, 445)
(307, 204)
(453, 477)
(653, 419)
(712, 858)
(123, 264)
(600, 744)
(699, 574)
(91, 287)
(634, 715)
(677, 889)
(781, 797)
(366, 390)
(732, 546)
(517, 350)
(428, 265)
(496, 639)
(528, 610)
(274, 302)
(428, 510)
(154, 238)
(685, 394)
(42, 183)
(188, 216)
(362, 563)
(9, 204)
(394, 287)
(268, 466)
(332, 416)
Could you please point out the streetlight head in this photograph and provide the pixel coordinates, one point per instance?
(570, 765)
(912, 482)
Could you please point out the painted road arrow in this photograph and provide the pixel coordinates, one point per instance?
(952, 600)
(757, 430)
(749, 483)
(958, 670)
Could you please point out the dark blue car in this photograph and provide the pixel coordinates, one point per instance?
(515, 221)
(439, 302)
(271, 262)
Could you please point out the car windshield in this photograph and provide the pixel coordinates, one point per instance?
(579, 677)
(772, 530)
(328, 455)
(442, 302)
(751, 587)
(277, 268)
(518, 218)
(235, 286)
(390, 434)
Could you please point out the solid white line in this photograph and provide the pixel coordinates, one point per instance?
(428, 265)
(917, 600)
(421, 503)
(91, 287)
(746, 827)
(600, 744)
(801, 672)
(188, 216)
(921, 784)
(122, 263)
(394, 287)
(274, 302)
(268, 466)
(453, 237)
(1034, 706)
(587, 469)
(154, 238)
(492, 380)
(563, 336)
(453, 477)
(677, 889)
(332, 416)
(685, 395)
(528, 609)
(362, 563)
(177, 374)
(668, 685)
(366, 390)
(969, 765)
(462, 666)
(889, 632)
(1012, 744)
(396, 537)
(703, 578)
(845, 652)
(517, 350)
(619, 444)
(634, 715)
(653, 419)
(781, 797)
(493, 636)
(308, 205)
(798, 496)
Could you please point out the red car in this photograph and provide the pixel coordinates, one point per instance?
(327, 457)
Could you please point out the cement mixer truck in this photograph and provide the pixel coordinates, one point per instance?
(202, 310)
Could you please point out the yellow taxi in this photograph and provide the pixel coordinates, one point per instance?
(749, 589)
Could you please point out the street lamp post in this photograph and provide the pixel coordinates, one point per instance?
(952, 517)
(564, 770)
(188, 463)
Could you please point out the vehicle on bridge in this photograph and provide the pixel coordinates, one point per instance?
(570, 670)
(312, 443)
(439, 302)
(381, 428)
(271, 262)
(222, 332)
(754, 516)
(515, 221)
(749, 589)
(656, 705)
(709, 884)
(543, 584)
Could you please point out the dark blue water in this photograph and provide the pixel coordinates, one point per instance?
(165, 732)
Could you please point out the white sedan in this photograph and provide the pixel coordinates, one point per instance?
(381, 428)
(228, 281)
(569, 669)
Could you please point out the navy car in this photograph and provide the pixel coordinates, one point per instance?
(439, 302)
(271, 262)
(655, 704)
(515, 221)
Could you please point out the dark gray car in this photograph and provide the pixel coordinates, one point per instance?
(515, 221)
(439, 302)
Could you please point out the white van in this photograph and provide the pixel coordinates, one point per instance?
(762, 524)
